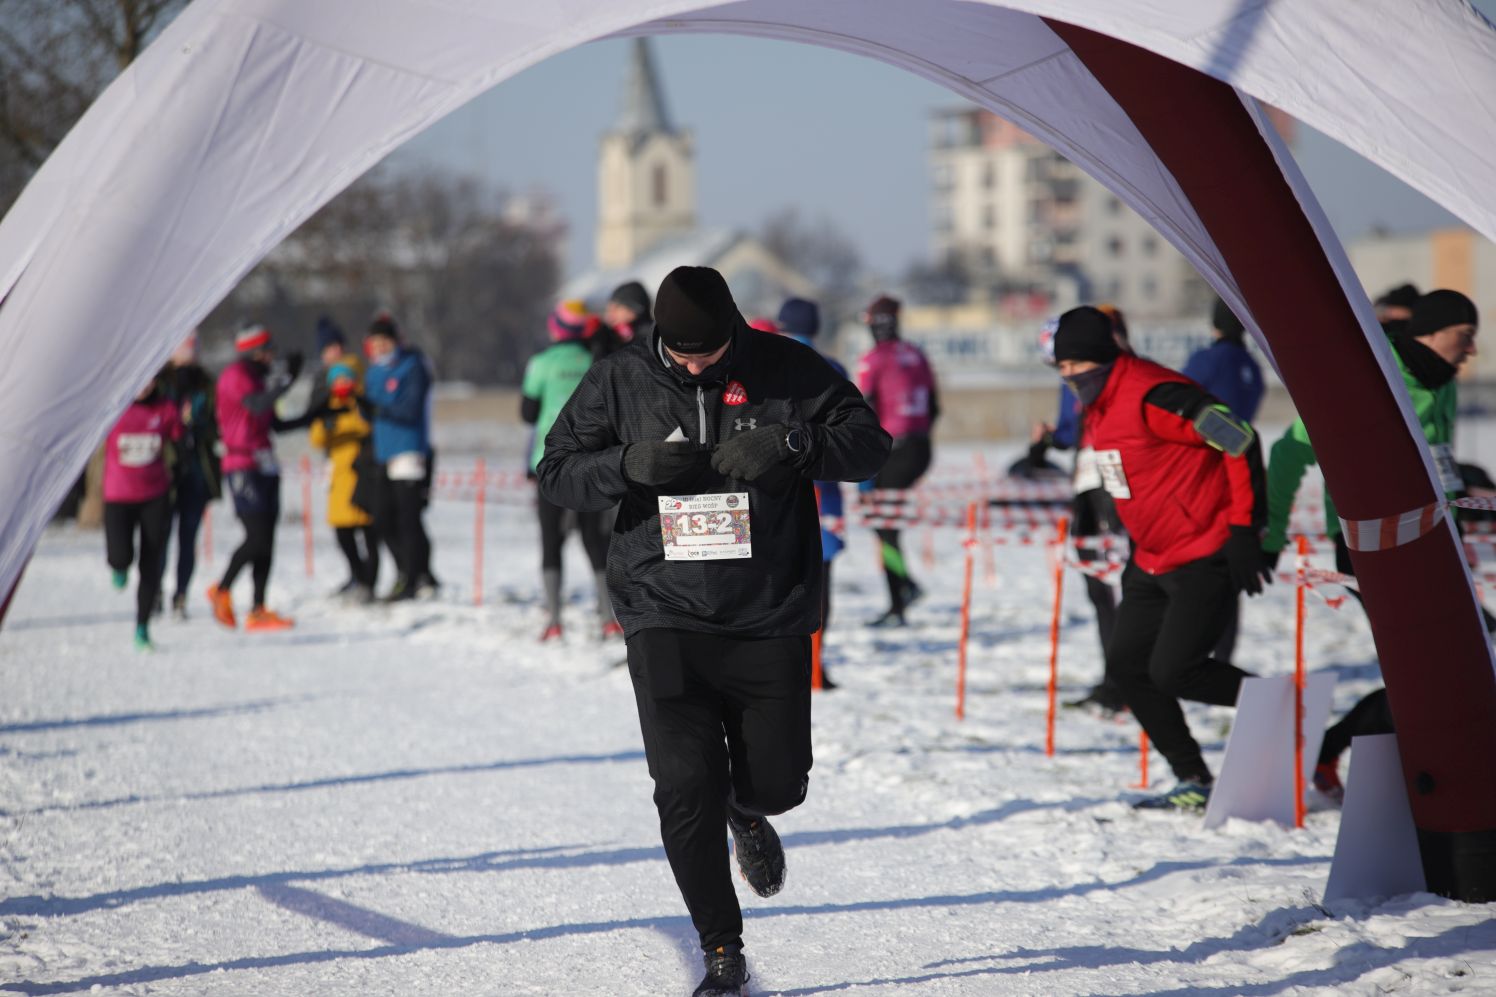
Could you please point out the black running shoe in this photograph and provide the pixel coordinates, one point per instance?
(1189, 797)
(726, 973)
(403, 591)
(890, 619)
(759, 852)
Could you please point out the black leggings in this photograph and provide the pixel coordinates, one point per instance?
(121, 522)
(1372, 715)
(256, 551)
(554, 527)
(363, 565)
(1160, 651)
(192, 500)
(724, 720)
(400, 526)
(906, 464)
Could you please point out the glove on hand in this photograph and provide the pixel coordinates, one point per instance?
(750, 455)
(1270, 559)
(294, 362)
(658, 463)
(1245, 561)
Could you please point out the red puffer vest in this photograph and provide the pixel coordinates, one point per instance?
(1172, 497)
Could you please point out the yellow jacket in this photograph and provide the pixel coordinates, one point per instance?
(342, 440)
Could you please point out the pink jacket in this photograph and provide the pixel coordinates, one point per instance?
(245, 434)
(135, 452)
(897, 382)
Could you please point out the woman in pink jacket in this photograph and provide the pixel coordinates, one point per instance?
(137, 487)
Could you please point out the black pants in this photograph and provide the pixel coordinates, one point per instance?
(363, 565)
(554, 526)
(257, 504)
(398, 521)
(724, 721)
(1372, 715)
(1160, 653)
(122, 520)
(906, 464)
(187, 511)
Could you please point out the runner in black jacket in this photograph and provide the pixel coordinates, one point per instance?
(723, 430)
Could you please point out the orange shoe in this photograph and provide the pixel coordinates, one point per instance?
(222, 602)
(261, 618)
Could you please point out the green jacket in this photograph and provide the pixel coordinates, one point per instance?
(550, 378)
(1293, 454)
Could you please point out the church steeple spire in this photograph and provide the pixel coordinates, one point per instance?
(643, 111)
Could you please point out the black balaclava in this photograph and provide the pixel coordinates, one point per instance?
(1434, 311)
(882, 318)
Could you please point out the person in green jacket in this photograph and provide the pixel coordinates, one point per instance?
(1430, 348)
(550, 378)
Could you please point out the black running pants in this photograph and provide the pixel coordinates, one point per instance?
(906, 464)
(723, 719)
(1160, 651)
(122, 520)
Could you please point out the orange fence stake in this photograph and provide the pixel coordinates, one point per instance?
(306, 509)
(817, 681)
(1143, 760)
(1298, 684)
(971, 542)
(989, 556)
(929, 548)
(1062, 530)
(480, 472)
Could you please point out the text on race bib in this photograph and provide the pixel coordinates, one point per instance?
(1449, 471)
(706, 527)
(1113, 478)
(138, 449)
(1087, 475)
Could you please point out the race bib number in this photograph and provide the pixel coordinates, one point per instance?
(138, 449)
(1113, 478)
(265, 462)
(1087, 475)
(1449, 471)
(706, 527)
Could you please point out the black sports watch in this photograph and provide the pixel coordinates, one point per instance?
(795, 441)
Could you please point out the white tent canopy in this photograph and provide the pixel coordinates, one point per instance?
(248, 115)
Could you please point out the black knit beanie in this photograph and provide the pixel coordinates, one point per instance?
(633, 297)
(1439, 310)
(1085, 333)
(1226, 323)
(694, 311)
(1401, 296)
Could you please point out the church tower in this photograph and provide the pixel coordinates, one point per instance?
(646, 171)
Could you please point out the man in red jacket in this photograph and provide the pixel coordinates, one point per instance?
(1186, 476)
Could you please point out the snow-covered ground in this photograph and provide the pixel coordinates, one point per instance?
(421, 800)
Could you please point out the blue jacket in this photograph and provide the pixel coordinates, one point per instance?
(1227, 370)
(400, 391)
(1066, 433)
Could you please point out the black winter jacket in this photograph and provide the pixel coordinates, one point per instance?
(634, 396)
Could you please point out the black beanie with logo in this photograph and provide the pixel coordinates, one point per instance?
(694, 311)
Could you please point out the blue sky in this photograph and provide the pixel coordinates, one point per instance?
(779, 124)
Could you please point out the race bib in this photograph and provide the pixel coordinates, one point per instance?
(1087, 475)
(1449, 471)
(1113, 478)
(265, 462)
(138, 449)
(706, 527)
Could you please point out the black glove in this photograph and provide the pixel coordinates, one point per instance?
(1038, 452)
(659, 463)
(1270, 559)
(294, 362)
(749, 455)
(1244, 559)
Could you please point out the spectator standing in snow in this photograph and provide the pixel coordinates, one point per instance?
(711, 437)
(800, 320)
(897, 382)
(1183, 473)
(341, 431)
(627, 316)
(550, 378)
(1225, 368)
(1395, 306)
(197, 475)
(247, 393)
(398, 390)
(137, 483)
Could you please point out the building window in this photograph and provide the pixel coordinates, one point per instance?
(1150, 245)
(989, 217)
(1114, 289)
(1150, 288)
(1114, 247)
(989, 257)
(660, 191)
(943, 176)
(989, 176)
(1114, 206)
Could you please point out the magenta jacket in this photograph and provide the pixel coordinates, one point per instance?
(897, 382)
(244, 431)
(135, 452)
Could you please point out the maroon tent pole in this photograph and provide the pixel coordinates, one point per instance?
(1428, 629)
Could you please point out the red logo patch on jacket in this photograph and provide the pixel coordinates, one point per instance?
(734, 394)
(392, 385)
